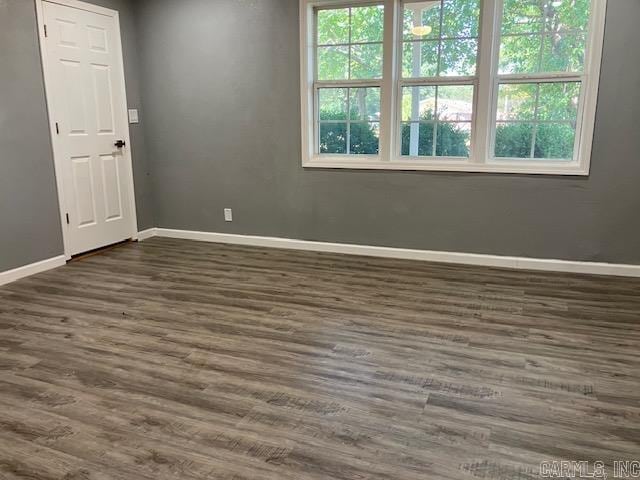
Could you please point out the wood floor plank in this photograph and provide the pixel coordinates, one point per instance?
(176, 359)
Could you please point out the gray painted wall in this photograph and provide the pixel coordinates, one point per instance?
(29, 220)
(223, 129)
(29, 215)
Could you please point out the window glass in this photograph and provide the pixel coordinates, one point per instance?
(436, 120)
(349, 43)
(349, 120)
(537, 120)
(440, 38)
(543, 36)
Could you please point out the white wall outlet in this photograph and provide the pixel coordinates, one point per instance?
(228, 215)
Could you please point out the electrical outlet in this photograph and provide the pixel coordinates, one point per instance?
(228, 215)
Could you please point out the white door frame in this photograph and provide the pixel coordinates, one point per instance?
(48, 81)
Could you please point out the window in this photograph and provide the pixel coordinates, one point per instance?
(439, 64)
(540, 66)
(349, 53)
(467, 85)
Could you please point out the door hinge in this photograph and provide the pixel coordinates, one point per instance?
(57, 129)
(67, 218)
(45, 31)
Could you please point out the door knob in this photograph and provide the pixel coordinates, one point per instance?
(120, 143)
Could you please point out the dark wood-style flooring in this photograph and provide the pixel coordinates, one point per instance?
(172, 359)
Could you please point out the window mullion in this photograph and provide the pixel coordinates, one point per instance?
(551, 77)
(485, 89)
(434, 149)
(348, 83)
(348, 121)
(534, 134)
(445, 81)
(389, 79)
(350, 47)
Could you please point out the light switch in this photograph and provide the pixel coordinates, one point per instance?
(133, 115)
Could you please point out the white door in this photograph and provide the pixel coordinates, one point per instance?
(85, 86)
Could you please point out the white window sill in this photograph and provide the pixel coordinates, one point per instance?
(372, 162)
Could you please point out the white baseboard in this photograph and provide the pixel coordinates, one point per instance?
(522, 263)
(148, 233)
(31, 269)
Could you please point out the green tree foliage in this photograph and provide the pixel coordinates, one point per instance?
(543, 36)
(449, 21)
(337, 28)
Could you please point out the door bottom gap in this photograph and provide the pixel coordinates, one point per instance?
(98, 251)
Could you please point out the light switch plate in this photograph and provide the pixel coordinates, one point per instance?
(133, 115)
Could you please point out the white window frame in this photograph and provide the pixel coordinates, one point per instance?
(485, 98)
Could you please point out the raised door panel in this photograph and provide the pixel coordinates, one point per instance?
(68, 33)
(103, 95)
(84, 199)
(73, 95)
(111, 186)
(97, 39)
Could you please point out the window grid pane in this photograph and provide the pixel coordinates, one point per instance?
(333, 26)
(436, 120)
(440, 38)
(537, 120)
(543, 36)
(349, 43)
(348, 120)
